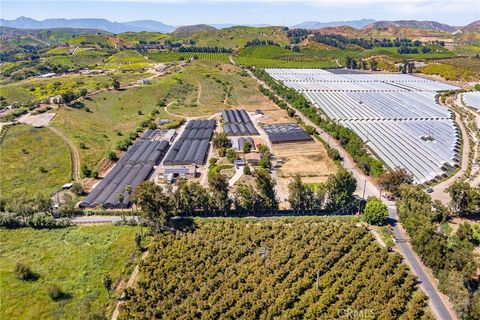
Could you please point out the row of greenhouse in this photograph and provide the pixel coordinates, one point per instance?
(427, 149)
(238, 123)
(371, 106)
(320, 80)
(396, 115)
(134, 167)
(193, 145)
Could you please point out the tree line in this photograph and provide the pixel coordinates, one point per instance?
(205, 49)
(450, 256)
(192, 199)
(258, 42)
(336, 40)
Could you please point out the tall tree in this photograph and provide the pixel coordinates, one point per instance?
(189, 198)
(220, 140)
(462, 198)
(376, 212)
(301, 196)
(341, 187)
(266, 188)
(247, 199)
(218, 185)
(391, 180)
(156, 205)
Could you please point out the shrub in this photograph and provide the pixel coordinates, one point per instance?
(77, 189)
(54, 292)
(376, 212)
(23, 272)
(86, 172)
(334, 154)
(231, 155)
(112, 156)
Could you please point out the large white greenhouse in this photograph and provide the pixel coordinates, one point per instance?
(397, 115)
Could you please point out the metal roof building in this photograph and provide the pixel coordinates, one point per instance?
(286, 132)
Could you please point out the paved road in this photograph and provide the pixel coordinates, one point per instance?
(366, 188)
(436, 303)
(238, 174)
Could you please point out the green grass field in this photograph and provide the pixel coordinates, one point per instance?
(134, 38)
(39, 89)
(467, 50)
(92, 40)
(83, 58)
(75, 259)
(464, 69)
(126, 59)
(276, 57)
(111, 113)
(234, 37)
(33, 161)
(202, 88)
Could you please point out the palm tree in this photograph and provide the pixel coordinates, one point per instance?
(120, 198)
(128, 190)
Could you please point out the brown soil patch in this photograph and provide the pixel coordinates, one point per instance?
(308, 159)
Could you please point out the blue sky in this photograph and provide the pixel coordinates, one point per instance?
(275, 12)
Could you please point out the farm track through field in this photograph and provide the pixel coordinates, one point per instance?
(439, 191)
(199, 93)
(130, 283)
(438, 302)
(75, 156)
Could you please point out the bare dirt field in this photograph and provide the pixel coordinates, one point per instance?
(39, 120)
(308, 159)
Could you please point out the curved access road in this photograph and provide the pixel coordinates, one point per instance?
(366, 187)
(73, 153)
(439, 192)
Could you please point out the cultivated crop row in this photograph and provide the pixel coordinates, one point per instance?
(298, 269)
(179, 56)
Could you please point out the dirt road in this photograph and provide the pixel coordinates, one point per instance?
(73, 153)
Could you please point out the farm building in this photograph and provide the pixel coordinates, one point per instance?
(238, 123)
(167, 174)
(285, 133)
(193, 144)
(238, 143)
(134, 167)
(253, 158)
(158, 134)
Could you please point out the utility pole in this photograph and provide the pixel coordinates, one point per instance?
(364, 187)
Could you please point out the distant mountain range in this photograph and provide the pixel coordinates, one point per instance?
(156, 26)
(102, 24)
(429, 25)
(359, 24)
